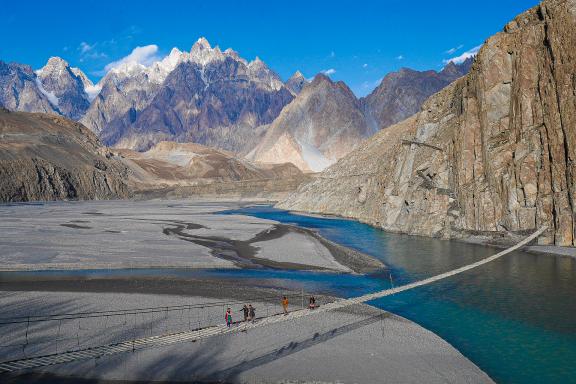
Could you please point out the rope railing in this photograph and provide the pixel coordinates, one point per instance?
(213, 330)
(64, 332)
(122, 312)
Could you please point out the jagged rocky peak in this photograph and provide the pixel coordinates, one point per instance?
(458, 70)
(401, 94)
(258, 70)
(55, 63)
(296, 82)
(203, 53)
(233, 54)
(85, 80)
(20, 90)
(64, 88)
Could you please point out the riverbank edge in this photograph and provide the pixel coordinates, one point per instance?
(497, 241)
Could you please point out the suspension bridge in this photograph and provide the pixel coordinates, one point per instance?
(202, 331)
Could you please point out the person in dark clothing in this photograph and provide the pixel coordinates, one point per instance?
(312, 302)
(251, 312)
(245, 312)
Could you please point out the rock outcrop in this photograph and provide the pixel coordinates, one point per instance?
(323, 123)
(47, 157)
(493, 153)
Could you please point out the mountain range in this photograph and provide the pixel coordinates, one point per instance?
(216, 98)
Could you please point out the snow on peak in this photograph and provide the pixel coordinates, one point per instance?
(257, 61)
(234, 55)
(129, 68)
(258, 69)
(298, 75)
(202, 53)
(203, 42)
(56, 61)
(49, 95)
(55, 66)
(159, 70)
(82, 76)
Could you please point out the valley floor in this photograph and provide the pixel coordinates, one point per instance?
(160, 234)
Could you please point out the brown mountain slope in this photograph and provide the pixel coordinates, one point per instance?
(322, 124)
(170, 164)
(47, 157)
(493, 152)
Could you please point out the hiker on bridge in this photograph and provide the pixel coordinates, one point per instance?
(285, 305)
(312, 302)
(251, 313)
(246, 312)
(228, 317)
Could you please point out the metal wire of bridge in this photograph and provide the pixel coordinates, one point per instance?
(209, 330)
(23, 337)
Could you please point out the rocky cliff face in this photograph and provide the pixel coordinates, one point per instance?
(46, 157)
(67, 87)
(492, 153)
(322, 124)
(19, 90)
(401, 94)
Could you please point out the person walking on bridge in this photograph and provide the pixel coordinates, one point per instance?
(285, 305)
(228, 317)
(312, 302)
(246, 312)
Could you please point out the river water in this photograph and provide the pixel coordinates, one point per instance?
(515, 318)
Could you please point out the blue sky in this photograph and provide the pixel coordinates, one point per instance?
(355, 41)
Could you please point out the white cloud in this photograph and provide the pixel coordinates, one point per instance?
(460, 59)
(89, 51)
(92, 91)
(329, 72)
(364, 65)
(85, 47)
(142, 55)
(399, 57)
(454, 49)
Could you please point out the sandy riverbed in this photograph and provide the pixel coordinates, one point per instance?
(160, 234)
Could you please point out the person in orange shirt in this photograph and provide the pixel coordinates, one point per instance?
(285, 305)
